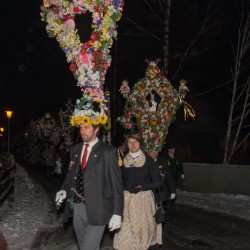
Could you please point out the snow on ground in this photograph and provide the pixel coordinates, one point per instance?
(22, 218)
(30, 211)
(236, 205)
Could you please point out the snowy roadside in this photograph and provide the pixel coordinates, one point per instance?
(26, 213)
(31, 217)
(235, 205)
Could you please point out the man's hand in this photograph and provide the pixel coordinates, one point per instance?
(182, 176)
(60, 197)
(172, 196)
(115, 222)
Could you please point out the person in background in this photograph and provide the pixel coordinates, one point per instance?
(139, 230)
(175, 165)
(93, 187)
(64, 155)
(167, 190)
(49, 156)
(35, 156)
(122, 150)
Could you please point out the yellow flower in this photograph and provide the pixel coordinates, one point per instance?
(104, 30)
(153, 122)
(65, 3)
(103, 119)
(96, 121)
(167, 117)
(85, 121)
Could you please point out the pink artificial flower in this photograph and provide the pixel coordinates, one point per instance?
(46, 3)
(107, 3)
(47, 27)
(81, 2)
(84, 58)
(55, 2)
(69, 24)
(129, 125)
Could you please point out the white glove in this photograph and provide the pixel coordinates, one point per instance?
(172, 196)
(115, 222)
(182, 176)
(60, 197)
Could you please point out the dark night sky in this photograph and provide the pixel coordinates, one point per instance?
(35, 77)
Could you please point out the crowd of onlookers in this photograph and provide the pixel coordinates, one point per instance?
(49, 159)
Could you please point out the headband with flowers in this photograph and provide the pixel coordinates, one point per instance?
(89, 61)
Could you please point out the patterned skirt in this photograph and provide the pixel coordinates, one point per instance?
(138, 230)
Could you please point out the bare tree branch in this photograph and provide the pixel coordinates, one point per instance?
(242, 141)
(143, 30)
(211, 89)
(191, 44)
(163, 6)
(157, 17)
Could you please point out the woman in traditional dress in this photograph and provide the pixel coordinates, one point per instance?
(139, 230)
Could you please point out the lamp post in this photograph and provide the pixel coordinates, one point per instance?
(9, 114)
(1, 135)
(1, 130)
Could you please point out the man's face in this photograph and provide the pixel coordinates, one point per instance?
(88, 133)
(133, 145)
(171, 150)
(152, 154)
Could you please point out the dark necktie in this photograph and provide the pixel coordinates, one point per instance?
(84, 157)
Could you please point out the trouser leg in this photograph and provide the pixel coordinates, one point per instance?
(89, 237)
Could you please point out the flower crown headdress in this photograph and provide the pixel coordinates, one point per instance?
(89, 110)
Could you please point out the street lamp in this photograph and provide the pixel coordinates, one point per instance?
(1, 135)
(9, 114)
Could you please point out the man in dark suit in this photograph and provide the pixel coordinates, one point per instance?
(93, 188)
(176, 167)
(167, 190)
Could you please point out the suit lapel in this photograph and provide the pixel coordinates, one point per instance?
(77, 157)
(93, 155)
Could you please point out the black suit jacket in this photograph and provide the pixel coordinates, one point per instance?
(102, 183)
(167, 187)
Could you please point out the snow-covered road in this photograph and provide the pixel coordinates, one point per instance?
(30, 215)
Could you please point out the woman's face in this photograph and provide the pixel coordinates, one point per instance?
(133, 145)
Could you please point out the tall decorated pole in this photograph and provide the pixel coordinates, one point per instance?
(89, 61)
(151, 107)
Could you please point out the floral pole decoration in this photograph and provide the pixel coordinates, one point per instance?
(187, 108)
(153, 103)
(89, 61)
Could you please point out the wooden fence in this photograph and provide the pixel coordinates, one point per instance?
(6, 182)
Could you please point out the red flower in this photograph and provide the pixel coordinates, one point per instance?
(76, 9)
(67, 17)
(54, 8)
(73, 67)
(94, 36)
(96, 9)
